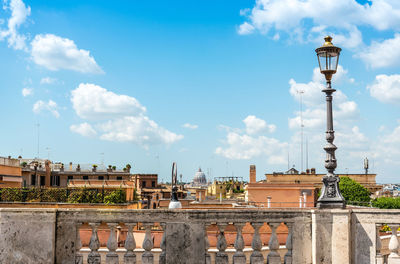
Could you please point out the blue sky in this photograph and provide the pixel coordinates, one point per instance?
(202, 83)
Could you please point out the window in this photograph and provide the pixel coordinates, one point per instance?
(85, 177)
(119, 178)
(42, 180)
(55, 181)
(70, 178)
(153, 184)
(143, 184)
(101, 177)
(33, 179)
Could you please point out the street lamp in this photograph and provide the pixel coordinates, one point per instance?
(328, 58)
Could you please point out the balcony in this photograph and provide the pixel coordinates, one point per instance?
(198, 236)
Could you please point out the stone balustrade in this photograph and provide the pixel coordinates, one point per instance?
(183, 236)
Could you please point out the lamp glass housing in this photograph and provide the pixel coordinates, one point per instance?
(328, 60)
(328, 57)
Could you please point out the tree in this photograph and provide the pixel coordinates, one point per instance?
(352, 191)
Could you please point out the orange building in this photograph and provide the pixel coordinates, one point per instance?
(293, 176)
(10, 173)
(44, 173)
(128, 186)
(286, 194)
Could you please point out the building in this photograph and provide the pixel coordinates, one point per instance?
(127, 186)
(151, 192)
(199, 179)
(273, 195)
(10, 173)
(226, 187)
(311, 177)
(44, 173)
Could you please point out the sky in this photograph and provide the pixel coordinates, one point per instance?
(207, 84)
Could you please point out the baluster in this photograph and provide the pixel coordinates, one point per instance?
(112, 245)
(206, 245)
(256, 257)
(221, 257)
(130, 245)
(273, 256)
(394, 245)
(239, 257)
(289, 247)
(78, 246)
(147, 256)
(163, 246)
(379, 257)
(94, 245)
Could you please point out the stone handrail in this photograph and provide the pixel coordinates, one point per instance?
(56, 232)
(336, 236)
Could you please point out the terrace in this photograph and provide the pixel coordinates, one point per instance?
(198, 236)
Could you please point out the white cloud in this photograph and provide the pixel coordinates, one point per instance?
(27, 91)
(314, 101)
(290, 14)
(83, 129)
(250, 144)
(245, 29)
(190, 126)
(122, 118)
(50, 106)
(137, 129)
(247, 147)
(382, 54)
(48, 80)
(91, 101)
(19, 13)
(56, 53)
(256, 125)
(388, 149)
(311, 20)
(386, 88)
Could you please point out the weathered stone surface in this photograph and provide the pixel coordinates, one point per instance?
(185, 241)
(28, 236)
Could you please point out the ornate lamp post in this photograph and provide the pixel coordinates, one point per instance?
(328, 58)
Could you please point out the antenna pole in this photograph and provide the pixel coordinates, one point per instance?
(306, 153)
(38, 139)
(300, 92)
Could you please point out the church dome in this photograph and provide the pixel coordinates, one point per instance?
(199, 178)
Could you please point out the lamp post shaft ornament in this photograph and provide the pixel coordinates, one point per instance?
(328, 58)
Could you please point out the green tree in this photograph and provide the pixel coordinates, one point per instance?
(352, 191)
(387, 203)
(115, 197)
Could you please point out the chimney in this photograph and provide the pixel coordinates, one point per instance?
(312, 170)
(48, 173)
(253, 178)
(70, 166)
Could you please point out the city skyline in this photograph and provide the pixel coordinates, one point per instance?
(205, 85)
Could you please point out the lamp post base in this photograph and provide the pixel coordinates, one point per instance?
(330, 193)
(331, 205)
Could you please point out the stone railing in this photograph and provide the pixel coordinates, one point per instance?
(377, 247)
(271, 236)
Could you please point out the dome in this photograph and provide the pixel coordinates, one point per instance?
(199, 178)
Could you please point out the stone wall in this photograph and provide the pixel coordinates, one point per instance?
(315, 236)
